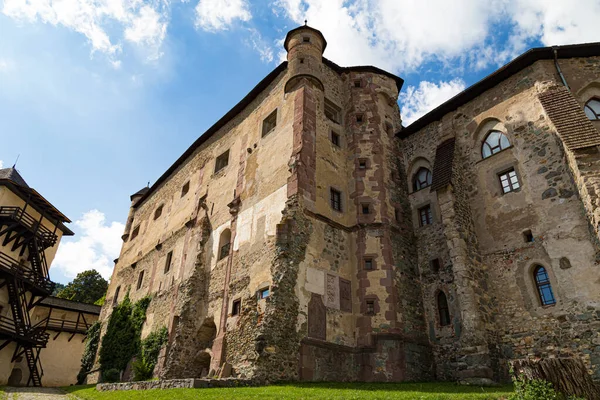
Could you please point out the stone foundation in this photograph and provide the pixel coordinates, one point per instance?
(190, 383)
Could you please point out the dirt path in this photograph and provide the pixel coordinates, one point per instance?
(35, 393)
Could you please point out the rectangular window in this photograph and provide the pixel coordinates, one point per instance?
(263, 293)
(269, 123)
(335, 139)
(397, 215)
(359, 118)
(509, 181)
(368, 264)
(116, 298)
(136, 231)
(222, 161)
(435, 265)
(185, 189)
(306, 39)
(357, 83)
(336, 200)
(528, 236)
(168, 261)
(365, 208)
(140, 280)
(362, 163)
(332, 112)
(236, 307)
(224, 250)
(425, 217)
(370, 307)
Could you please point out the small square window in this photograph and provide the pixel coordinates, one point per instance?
(140, 280)
(332, 112)
(509, 181)
(136, 231)
(236, 308)
(335, 139)
(357, 83)
(306, 39)
(222, 161)
(336, 199)
(168, 262)
(362, 163)
(302, 61)
(158, 212)
(397, 214)
(425, 217)
(370, 307)
(528, 236)
(435, 265)
(185, 189)
(359, 118)
(269, 123)
(365, 208)
(263, 293)
(368, 264)
(134, 265)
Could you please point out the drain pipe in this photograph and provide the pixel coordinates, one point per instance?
(562, 77)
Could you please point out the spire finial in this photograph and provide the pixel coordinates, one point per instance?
(305, 22)
(16, 161)
(148, 185)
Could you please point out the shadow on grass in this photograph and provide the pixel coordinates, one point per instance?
(425, 387)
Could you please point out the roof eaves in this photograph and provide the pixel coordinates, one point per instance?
(504, 72)
(364, 68)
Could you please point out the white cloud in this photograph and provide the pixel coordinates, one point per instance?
(261, 46)
(218, 15)
(400, 35)
(416, 102)
(95, 248)
(103, 22)
(1, 164)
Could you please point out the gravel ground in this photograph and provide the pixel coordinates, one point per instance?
(35, 393)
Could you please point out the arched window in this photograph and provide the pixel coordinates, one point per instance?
(443, 311)
(544, 288)
(422, 179)
(592, 109)
(494, 142)
(224, 244)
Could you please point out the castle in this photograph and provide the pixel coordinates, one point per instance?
(308, 235)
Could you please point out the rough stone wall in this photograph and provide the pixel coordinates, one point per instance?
(493, 246)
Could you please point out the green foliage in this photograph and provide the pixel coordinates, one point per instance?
(150, 348)
(89, 352)
(100, 301)
(534, 389)
(87, 287)
(121, 342)
(57, 288)
(111, 375)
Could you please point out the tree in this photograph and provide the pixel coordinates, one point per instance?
(87, 287)
(57, 288)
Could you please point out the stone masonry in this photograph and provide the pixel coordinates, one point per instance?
(291, 242)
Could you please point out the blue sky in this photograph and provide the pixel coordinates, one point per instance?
(101, 96)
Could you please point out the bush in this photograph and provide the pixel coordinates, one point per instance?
(92, 340)
(142, 370)
(535, 389)
(111, 375)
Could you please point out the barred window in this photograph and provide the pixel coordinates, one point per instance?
(509, 181)
(425, 217)
(336, 199)
(222, 161)
(224, 244)
(370, 307)
(544, 288)
(236, 307)
(495, 142)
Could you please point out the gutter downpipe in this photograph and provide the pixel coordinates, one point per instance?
(562, 77)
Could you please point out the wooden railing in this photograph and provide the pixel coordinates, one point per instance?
(25, 272)
(18, 214)
(36, 334)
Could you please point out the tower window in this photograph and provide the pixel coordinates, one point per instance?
(435, 265)
(269, 123)
(332, 112)
(236, 307)
(335, 139)
(185, 189)
(443, 311)
(592, 109)
(136, 231)
(263, 293)
(422, 179)
(362, 163)
(224, 244)
(336, 199)
(357, 83)
(359, 118)
(494, 142)
(158, 212)
(528, 236)
(168, 262)
(370, 307)
(140, 280)
(116, 298)
(222, 161)
(425, 217)
(302, 61)
(397, 214)
(368, 264)
(509, 181)
(365, 208)
(543, 285)
(306, 39)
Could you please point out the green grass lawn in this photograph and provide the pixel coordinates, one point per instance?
(345, 391)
